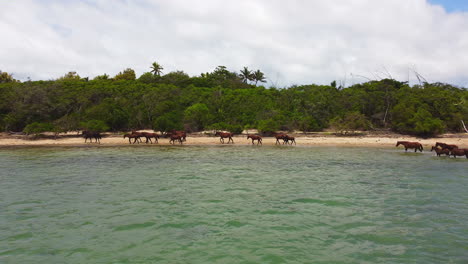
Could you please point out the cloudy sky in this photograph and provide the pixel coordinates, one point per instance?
(293, 42)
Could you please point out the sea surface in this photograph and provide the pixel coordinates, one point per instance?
(231, 204)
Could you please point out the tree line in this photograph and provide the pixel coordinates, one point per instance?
(225, 100)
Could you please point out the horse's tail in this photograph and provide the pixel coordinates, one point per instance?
(420, 147)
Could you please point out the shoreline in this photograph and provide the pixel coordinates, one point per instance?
(302, 140)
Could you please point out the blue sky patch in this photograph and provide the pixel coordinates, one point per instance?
(452, 5)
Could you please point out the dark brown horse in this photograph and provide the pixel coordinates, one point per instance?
(132, 136)
(280, 136)
(90, 135)
(224, 135)
(255, 137)
(182, 134)
(149, 136)
(174, 138)
(410, 145)
(459, 152)
(287, 139)
(445, 146)
(138, 135)
(440, 151)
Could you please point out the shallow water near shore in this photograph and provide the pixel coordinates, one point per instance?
(231, 204)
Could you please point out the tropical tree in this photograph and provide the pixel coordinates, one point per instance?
(127, 74)
(70, 76)
(246, 75)
(197, 116)
(156, 69)
(102, 77)
(258, 76)
(5, 77)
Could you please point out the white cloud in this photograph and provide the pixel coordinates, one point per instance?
(294, 42)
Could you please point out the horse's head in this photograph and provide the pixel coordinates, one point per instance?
(433, 148)
(439, 144)
(217, 133)
(398, 143)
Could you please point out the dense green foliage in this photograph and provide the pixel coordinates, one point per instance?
(227, 100)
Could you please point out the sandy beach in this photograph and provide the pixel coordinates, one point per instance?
(318, 139)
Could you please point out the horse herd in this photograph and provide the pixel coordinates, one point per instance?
(180, 136)
(440, 148)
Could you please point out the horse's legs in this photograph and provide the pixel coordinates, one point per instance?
(230, 139)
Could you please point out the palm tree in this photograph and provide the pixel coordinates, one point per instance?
(156, 69)
(258, 76)
(245, 75)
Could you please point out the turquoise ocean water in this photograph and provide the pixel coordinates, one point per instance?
(231, 204)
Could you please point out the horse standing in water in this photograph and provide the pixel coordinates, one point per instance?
(459, 152)
(90, 135)
(445, 146)
(410, 145)
(440, 151)
(224, 135)
(255, 137)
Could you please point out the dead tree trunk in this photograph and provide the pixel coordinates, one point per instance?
(464, 127)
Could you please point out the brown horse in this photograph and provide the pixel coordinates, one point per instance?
(459, 152)
(280, 136)
(182, 134)
(175, 137)
(138, 135)
(440, 151)
(289, 138)
(445, 146)
(255, 137)
(132, 136)
(149, 136)
(410, 145)
(90, 135)
(224, 135)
